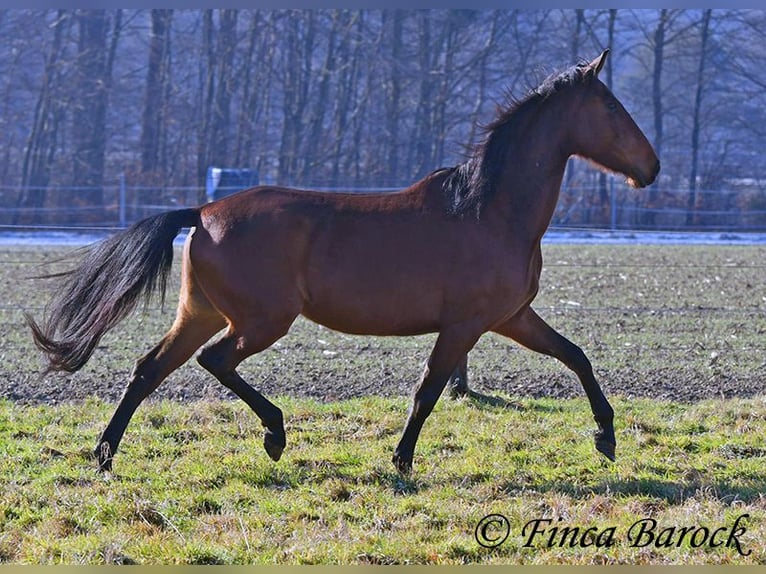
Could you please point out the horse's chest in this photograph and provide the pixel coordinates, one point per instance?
(502, 288)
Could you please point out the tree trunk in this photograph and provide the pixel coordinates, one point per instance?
(221, 117)
(394, 106)
(42, 142)
(481, 97)
(358, 119)
(157, 78)
(659, 47)
(575, 55)
(692, 200)
(255, 125)
(206, 98)
(439, 124)
(426, 56)
(318, 108)
(93, 80)
(347, 103)
(604, 199)
(300, 49)
(250, 96)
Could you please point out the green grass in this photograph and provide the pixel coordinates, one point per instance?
(193, 486)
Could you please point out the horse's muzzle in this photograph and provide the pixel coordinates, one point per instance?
(640, 180)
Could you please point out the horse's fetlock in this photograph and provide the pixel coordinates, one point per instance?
(605, 416)
(104, 454)
(274, 422)
(402, 463)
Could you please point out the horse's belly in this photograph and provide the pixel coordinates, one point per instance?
(373, 311)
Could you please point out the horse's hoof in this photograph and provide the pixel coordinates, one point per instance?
(606, 448)
(274, 445)
(403, 466)
(104, 457)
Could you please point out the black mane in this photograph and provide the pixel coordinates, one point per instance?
(472, 183)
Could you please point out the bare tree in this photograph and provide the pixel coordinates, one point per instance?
(372, 97)
(695, 139)
(300, 43)
(43, 139)
(257, 74)
(357, 161)
(221, 113)
(490, 45)
(155, 107)
(394, 104)
(347, 104)
(321, 103)
(207, 97)
(420, 160)
(93, 77)
(603, 192)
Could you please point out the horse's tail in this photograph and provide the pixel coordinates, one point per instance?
(106, 286)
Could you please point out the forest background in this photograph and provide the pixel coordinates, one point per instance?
(91, 100)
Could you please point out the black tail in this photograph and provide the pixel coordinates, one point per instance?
(106, 286)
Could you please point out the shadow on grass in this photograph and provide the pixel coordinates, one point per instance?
(481, 400)
(672, 492)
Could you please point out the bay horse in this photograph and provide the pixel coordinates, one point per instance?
(456, 253)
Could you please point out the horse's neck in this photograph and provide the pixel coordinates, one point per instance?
(529, 188)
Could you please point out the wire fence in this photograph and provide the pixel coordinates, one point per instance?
(740, 207)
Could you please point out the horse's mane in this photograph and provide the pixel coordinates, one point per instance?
(472, 183)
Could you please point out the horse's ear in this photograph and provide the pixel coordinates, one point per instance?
(596, 65)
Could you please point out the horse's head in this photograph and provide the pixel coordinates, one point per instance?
(605, 133)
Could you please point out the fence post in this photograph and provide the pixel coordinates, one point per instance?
(123, 222)
(613, 202)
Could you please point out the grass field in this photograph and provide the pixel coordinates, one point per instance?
(193, 486)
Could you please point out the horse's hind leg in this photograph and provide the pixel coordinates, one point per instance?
(196, 321)
(187, 335)
(221, 359)
(531, 331)
(458, 381)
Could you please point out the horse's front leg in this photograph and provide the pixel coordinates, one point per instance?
(451, 345)
(528, 329)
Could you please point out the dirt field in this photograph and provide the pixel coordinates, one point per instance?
(668, 322)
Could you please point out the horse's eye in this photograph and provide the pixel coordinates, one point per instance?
(611, 105)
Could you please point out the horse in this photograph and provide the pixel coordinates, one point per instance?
(456, 253)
